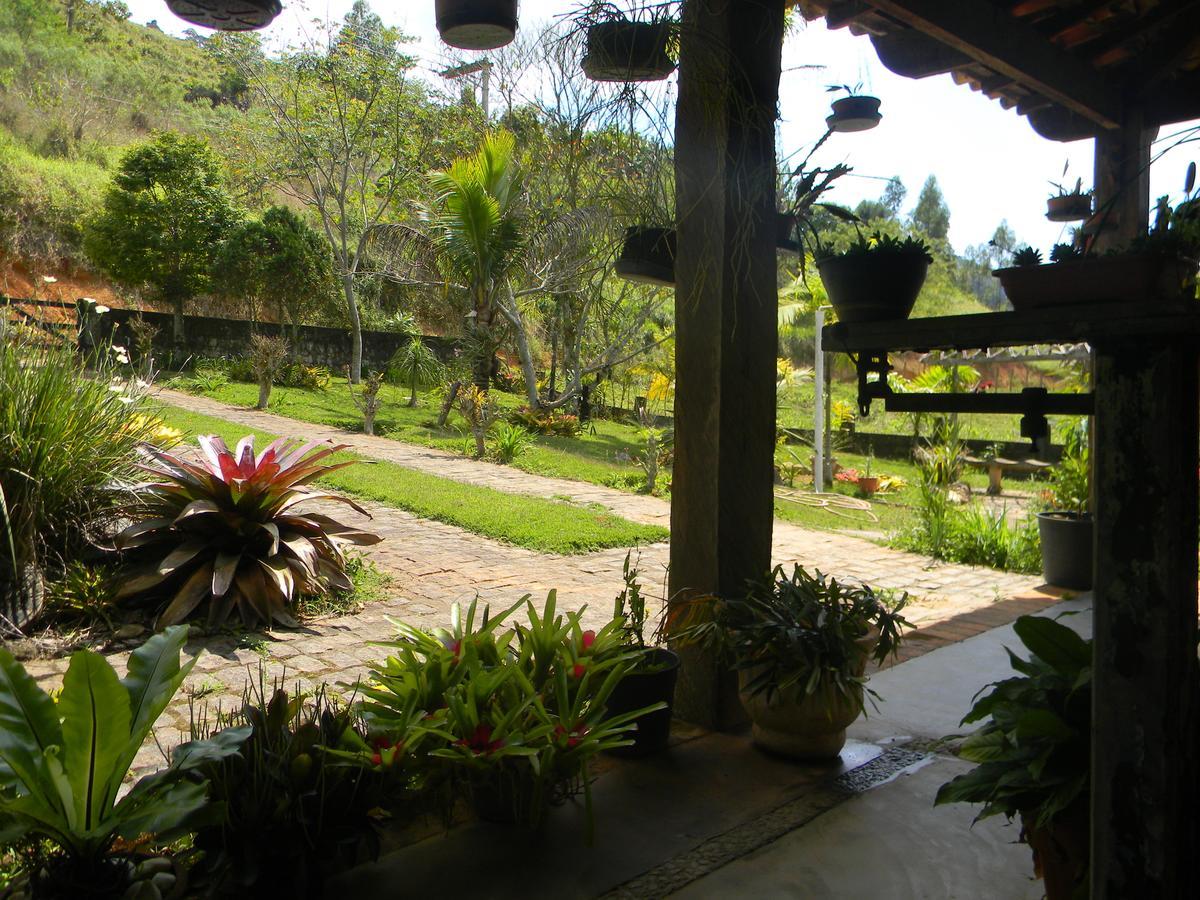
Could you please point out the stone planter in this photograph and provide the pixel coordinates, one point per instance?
(804, 726)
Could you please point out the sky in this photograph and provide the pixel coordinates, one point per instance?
(989, 162)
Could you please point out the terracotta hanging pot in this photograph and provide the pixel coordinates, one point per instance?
(648, 256)
(854, 113)
(1069, 207)
(227, 15)
(476, 24)
(624, 51)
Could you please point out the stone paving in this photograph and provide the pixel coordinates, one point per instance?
(434, 565)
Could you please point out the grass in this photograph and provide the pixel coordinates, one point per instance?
(540, 524)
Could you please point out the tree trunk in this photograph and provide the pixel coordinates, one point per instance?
(369, 423)
(177, 321)
(264, 393)
(412, 398)
(480, 441)
(528, 372)
(355, 329)
(448, 403)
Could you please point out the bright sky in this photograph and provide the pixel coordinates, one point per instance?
(990, 163)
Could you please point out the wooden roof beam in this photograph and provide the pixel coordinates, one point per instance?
(991, 36)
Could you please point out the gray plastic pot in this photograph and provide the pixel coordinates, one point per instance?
(1067, 548)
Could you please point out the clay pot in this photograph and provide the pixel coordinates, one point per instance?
(804, 726)
(1069, 208)
(868, 484)
(1060, 850)
(1126, 278)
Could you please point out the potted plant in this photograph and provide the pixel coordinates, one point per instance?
(1066, 529)
(626, 50)
(1073, 205)
(227, 15)
(868, 484)
(648, 256)
(1159, 266)
(1034, 752)
(877, 278)
(476, 24)
(651, 680)
(854, 112)
(800, 645)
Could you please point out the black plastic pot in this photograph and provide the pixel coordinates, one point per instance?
(476, 24)
(640, 689)
(648, 256)
(785, 232)
(1069, 208)
(854, 114)
(1066, 549)
(628, 51)
(227, 15)
(873, 287)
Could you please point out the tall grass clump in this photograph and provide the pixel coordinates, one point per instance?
(67, 439)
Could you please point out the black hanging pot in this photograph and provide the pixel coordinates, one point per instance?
(854, 114)
(628, 51)
(648, 256)
(476, 24)
(873, 287)
(227, 15)
(1066, 548)
(652, 682)
(1069, 208)
(785, 232)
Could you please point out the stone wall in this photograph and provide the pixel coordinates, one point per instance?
(313, 345)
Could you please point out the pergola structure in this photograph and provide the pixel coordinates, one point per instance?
(1115, 70)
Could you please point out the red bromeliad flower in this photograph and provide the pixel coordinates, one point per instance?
(578, 669)
(589, 638)
(573, 737)
(480, 741)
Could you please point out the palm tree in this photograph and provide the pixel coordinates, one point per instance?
(415, 364)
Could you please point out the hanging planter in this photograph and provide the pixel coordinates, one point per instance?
(227, 15)
(476, 24)
(785, 231)
(1069, 207)
(624, 51)
(648, 256)
(854, 113)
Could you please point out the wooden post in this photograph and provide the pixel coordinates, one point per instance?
(1144, 713)
(1121, 180)
(722, 495)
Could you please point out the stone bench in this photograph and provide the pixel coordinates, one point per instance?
(997, 466)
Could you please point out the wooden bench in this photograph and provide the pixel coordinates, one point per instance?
(997, 466)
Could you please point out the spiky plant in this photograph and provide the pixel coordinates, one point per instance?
(224, 531)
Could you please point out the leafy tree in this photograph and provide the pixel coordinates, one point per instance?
(415, 364)
(893, 196)
(346, 128)
(164, 214)
(279, 262)
(931, 215)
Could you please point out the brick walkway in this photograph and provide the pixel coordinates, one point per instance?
(434, 565)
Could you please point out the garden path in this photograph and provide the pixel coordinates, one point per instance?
(434, 565)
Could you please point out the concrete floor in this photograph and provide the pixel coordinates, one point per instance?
(715, 818)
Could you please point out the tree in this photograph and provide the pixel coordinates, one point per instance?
(893, 196)
(931, 215)
(415, 364)
(348, 130)
(164, 213)
(278, 262)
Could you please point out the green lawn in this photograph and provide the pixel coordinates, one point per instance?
(591, 457)
(545, 525)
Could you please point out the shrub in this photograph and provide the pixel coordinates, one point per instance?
(225, 532)
(415, 364)
(547, 421)
(65, 441)
(295, 813)
(509, 441)
(63, 763)
(267, 357)
(296, 374)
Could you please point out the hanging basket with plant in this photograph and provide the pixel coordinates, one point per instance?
(623, 49)
(648, 256)
(227, 15)
(476, 24)
(854, 112)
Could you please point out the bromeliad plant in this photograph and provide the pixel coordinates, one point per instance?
(225, 531)
(63, 762)
(510, 718)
